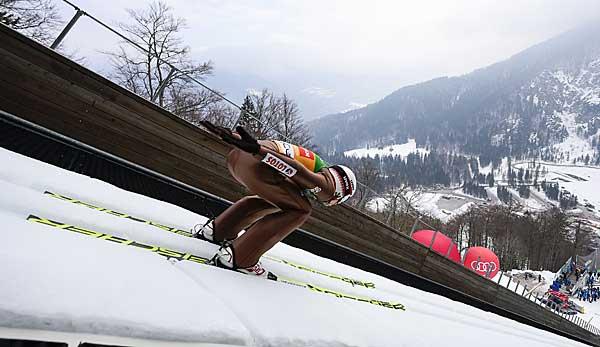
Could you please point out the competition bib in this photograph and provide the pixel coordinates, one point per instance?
(279, 165)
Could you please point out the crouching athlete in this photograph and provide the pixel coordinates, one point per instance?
(283, 178)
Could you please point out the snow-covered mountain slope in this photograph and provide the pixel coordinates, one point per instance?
(543, 101)
(568, 103)
(74, 267)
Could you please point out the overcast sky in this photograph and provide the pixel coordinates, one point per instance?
(334, 55)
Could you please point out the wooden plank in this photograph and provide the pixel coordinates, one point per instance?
(346, 217)
(53, 62)
(406, 255)
(526, 308)
(445, 271)
(356, 239)
(47, 114)
(87, 106)
(72, 111)
(79, 76)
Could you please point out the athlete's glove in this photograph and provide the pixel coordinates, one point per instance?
(246, 143)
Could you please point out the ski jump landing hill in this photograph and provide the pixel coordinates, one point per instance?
(46, 90)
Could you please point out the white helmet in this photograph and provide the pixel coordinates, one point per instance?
(345, 182)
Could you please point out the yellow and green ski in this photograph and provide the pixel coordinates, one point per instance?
(352, 281)
(181, 256)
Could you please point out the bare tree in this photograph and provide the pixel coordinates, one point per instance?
(410, 196)
(393, 207)
(38, 19)
(266, 115)
(368, 174)
(221, 113)
(194, 105)
(266, 107)
(156, 30)
(399, 203)
(291, 125)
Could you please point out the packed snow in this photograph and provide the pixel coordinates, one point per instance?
(60, 278)
(401, 150)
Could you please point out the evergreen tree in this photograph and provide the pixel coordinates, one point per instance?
(520, 175)
(490, 179)
(524, 191)
(248, 118)
(503, 194)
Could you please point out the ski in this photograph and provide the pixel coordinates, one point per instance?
(351, 281)
(181, 256)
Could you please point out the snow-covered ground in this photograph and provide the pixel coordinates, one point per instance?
(531, 203)
(592, 311)
(73, 267)
(443, 206)
(401, 150)
(516, 282)
(582, 181)
(579, 180)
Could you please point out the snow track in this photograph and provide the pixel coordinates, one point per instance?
(63, 281)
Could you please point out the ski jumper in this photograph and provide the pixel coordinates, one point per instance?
(278, 206)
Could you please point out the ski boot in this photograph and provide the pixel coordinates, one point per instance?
(224, 259)
(205, 232)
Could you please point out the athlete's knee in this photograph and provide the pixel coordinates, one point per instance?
(300, 206)
(302, 213)
(305, 216)
(249, 200)
(233, 156)
(306, 209)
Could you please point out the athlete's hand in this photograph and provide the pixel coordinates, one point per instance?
(246, 143)
(243, 141)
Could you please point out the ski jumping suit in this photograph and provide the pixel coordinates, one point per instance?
(278, 207)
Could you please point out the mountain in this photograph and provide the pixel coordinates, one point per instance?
(542, 102)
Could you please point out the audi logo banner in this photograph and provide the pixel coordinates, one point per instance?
(482, 260)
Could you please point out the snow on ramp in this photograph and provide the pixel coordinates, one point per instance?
(80, 255)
